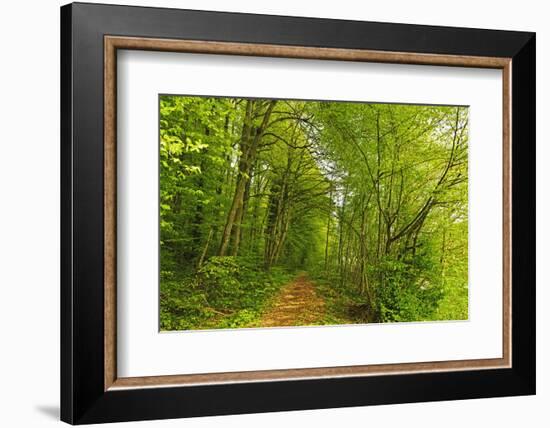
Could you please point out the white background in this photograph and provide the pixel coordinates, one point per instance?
(29, 226)
(142, 351)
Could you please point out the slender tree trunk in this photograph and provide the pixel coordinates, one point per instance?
(281, 238)
(341, 225)
(205, 249)
(241, 212)
(442, 259)
(245, 165)
(240, 185)
(255, 214)
(363, 252)
(275, 219)
(328, 230)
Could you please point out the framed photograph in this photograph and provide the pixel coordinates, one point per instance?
(266, 213)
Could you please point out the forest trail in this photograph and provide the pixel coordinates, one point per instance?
(296, 304)
(273, 212)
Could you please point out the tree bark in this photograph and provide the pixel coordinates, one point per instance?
(205, 249)
(328, 230)
(239, 187)
(249, 147)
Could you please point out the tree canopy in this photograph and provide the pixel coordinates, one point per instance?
(370, 201)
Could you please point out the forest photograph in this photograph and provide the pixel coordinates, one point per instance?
(280, 213)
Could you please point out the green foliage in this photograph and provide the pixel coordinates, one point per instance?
(227, 292)
(410, 291)
(182, 305)
(371, 200)
(219, 278)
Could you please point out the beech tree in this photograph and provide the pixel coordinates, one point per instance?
(369, 199)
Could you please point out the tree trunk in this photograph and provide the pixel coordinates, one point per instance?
(249, 147)
(205, 249)
(240, 185)
(241, 212)
(328, 230)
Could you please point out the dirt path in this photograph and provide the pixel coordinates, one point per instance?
(296, 304)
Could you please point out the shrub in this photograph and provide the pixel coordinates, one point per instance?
(407, 290)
